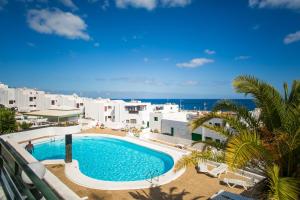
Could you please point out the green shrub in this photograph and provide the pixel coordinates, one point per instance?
(25, 125)
(8, 122)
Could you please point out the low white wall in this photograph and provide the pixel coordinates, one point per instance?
(42, 132)
(172, 139)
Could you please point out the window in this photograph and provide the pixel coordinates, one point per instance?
(34, 97)
(156, 119)
(11, 101)
(105, 108)
(208, 139)
(133, 121)
(53, 102)
(81, 104)
(106, 118)
(217, 124)
(127, 121)
(218, 141)
(77, 105)
(30, 98)
(109, 117)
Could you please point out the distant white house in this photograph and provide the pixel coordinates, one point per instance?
(180, 128)
(118, 113)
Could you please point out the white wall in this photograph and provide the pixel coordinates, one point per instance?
(156, 125)
(41, 132)
(182, 130)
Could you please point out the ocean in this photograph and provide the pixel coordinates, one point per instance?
(198, 104)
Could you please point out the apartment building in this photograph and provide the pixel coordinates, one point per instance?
(118, 113)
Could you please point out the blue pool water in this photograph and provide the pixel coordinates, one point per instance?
(109, 159)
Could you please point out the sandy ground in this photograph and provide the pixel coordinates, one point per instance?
(190, 186)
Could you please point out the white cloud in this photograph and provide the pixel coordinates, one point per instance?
(175, 3)
(147, 4)
(196, 62)
(2, 4)
(290, 4)
(292, 37)
(242, 57)
(69, 3)
(209, 52)
(57, 22)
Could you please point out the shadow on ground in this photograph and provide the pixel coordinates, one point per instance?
(156, 193)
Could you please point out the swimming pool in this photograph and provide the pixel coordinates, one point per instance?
(109, 159)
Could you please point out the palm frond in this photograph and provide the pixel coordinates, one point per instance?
(196, 156)
(244, 148)
(211, 143)
(233, 122)
(282, 188)
(266, 97)
(219, 129)
(294, 96)
(194, 124)
(189, 160)
(241, 111)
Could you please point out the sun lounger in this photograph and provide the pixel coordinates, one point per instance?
(224, 195)
(236, 182)
(215, 172)
(180, 146)
(202, 167)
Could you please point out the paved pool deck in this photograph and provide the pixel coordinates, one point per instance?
(189, 186)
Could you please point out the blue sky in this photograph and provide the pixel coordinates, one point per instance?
(148, 48)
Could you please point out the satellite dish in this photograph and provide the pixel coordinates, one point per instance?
(38, 168)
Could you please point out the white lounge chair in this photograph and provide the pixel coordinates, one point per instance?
(180, 146)
(222, 195)
(202, 167)
(217, 171)
(236, 182)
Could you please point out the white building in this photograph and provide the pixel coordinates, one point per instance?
(7, 96)
(118, 113)
(178, 125)
(27, 100)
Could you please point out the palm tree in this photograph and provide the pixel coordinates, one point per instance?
(270, 141)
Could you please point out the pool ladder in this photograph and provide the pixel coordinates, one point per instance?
(53, 139)
(153, 176)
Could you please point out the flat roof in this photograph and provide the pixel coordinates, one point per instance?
(54, 113)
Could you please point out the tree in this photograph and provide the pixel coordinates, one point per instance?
(269, 141)
(7, 121)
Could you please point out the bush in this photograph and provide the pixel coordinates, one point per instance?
(8, 122)
(25, 125)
